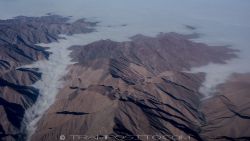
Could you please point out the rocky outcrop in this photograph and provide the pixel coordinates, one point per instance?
(18, 46)
(119, 90)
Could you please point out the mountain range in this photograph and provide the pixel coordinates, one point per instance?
(133, 90)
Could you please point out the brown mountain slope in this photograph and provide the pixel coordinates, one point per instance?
(228, 114)
(132, 88)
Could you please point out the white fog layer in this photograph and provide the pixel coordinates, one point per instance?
(220, 22)
(52, 71)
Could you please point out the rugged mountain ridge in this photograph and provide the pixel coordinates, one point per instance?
(18, 46)
(120, 90)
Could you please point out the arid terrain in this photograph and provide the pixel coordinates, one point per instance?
(132, 90)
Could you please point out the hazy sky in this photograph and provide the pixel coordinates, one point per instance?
(233, 11)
